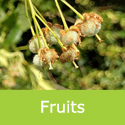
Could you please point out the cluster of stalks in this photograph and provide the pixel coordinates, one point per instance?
(68, 38)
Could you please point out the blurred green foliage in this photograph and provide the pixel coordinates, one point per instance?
(101, 65)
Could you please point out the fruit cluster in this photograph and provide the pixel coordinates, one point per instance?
(88, 25)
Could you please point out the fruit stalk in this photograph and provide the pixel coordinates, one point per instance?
(60, 43)
(62, 17)
(33, 16)
(74, 10)
(31, 27)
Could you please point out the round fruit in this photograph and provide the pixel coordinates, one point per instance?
(48, 56)
(90, 28)
(70, 54)
(70, 37)
(34, 46)
(49, 36)
(37, 61)
(90, 25)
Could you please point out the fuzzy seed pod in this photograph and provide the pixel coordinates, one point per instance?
(70, 54)
(34, 46)
(70, 37)
(37, 61)
(90, 28)
(48, 56)
(91, 24)
(49, 36)
(94, 16)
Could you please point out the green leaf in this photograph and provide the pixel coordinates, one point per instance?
(8, 22)
(13, 36)
(22, 20)
(2, 14)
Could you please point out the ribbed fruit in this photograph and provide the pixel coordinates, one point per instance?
(37, 61)
(90, 28)
(34, 46)
(71, 36)
(70, 54)
(90, 25)
(49, 36)
(48, 56)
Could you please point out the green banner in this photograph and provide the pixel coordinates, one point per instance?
(62, 107)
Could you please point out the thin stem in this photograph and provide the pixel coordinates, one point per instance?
(31, 27)
(39, 14)
(41, 33)
(31, 7)
(37, 26)
(50, 66)
(37, 33)
(33, 16)
(100, 40)
(22, 47)
(75, 64)
(74, 10)
(43, 71)
(60, 43)
(62, 17)
(75, 47)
